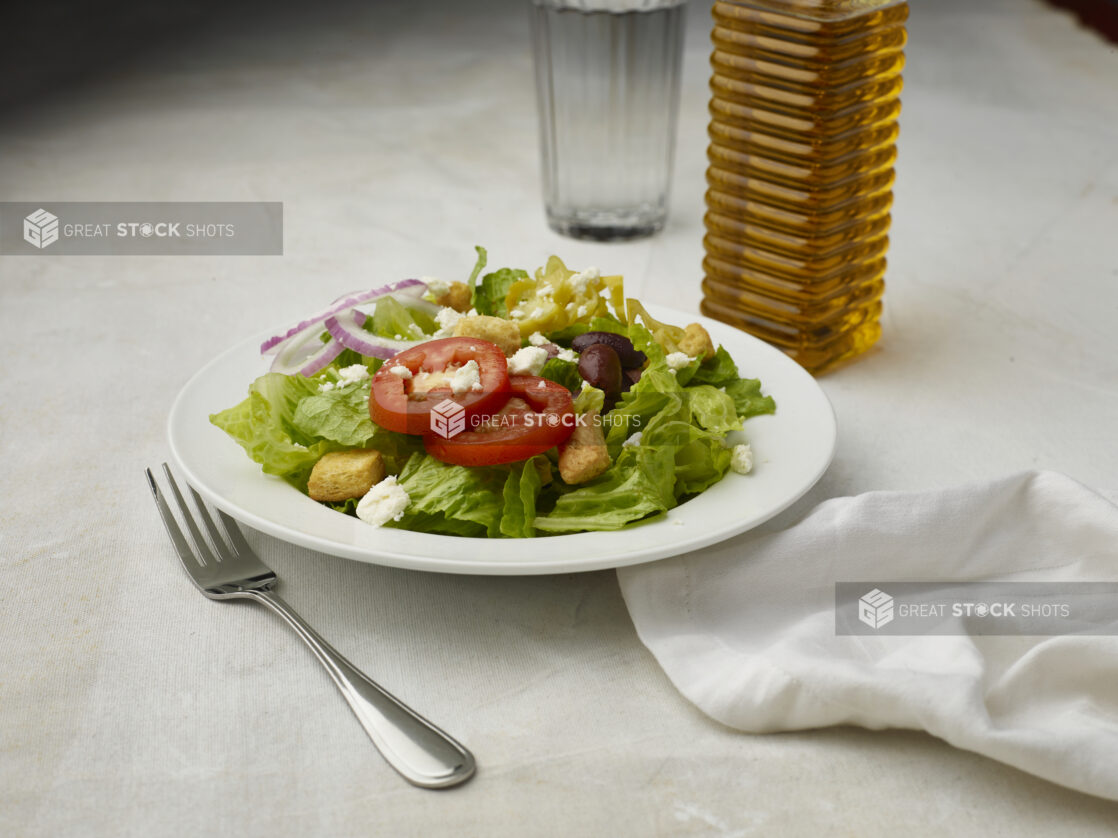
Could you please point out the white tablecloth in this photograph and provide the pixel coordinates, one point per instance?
(397, 137)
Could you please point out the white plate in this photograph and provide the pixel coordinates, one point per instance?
(791, 451)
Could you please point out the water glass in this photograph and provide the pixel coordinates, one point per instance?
(607, 82)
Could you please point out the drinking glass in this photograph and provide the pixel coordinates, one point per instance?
(607, 83)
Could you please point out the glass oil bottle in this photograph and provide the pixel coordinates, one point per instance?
(805, 100)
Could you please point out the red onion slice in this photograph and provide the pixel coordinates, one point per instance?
(293, 359)
(344, 328)
(412, 288)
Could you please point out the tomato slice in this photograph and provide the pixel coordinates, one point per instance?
(537, 416)
(438, 387)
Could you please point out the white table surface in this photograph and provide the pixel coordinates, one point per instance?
(397, 137)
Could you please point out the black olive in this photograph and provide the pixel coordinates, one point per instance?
(600, 367)
(620, 344)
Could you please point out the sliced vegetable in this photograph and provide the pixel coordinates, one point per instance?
(294, 358)
(538, 416)
(346, 331)
(408, 387)
(666, 335)
(558, 297)
(409, 287)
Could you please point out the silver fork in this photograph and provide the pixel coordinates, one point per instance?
(423, 754)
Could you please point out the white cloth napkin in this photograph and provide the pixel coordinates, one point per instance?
(746, 630)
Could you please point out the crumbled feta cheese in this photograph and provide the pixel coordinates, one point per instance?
(517, 313)
(536, 339)
(633, 441)
(584, 278)
(741, 459)
(437, 287)
(678, 360)
(326, 386)
(384, 502)
(400, 371)
(537, 313)
(584, 386)
(583, 310)
(567, 355)
(466, 378)
(541, 385)
(528, 361)
(398, 337)
(447, 318)
(353, 374)
(415, 330)
(569, 307)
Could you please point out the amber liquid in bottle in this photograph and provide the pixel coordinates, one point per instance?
(802, 144)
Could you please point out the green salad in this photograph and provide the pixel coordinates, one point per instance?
(508, 405)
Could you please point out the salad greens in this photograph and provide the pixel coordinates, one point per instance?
(287, 422)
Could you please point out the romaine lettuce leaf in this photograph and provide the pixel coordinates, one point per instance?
(263, 425)
(454, 500)
(490, 293)
(698, 456)
(562, 372)
(589, 400)
(479, 265)
(638, 485)
(522, 488)
(712, 409)
(746, 393)
(717, 371)
(721, 371)
(392, 320)
(341, 415)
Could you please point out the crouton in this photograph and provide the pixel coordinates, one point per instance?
(457, 297)
(584, 455)
(696, 342)
(504, 333)
(341, 475)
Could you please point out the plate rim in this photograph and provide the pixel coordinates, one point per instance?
(440, 563)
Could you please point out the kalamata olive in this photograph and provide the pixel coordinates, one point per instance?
(620, 344)
(629, 378)
(600, 367)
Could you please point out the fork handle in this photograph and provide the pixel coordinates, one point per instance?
(422, 753)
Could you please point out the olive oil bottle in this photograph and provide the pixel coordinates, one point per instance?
(804, 107)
